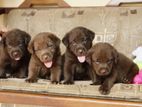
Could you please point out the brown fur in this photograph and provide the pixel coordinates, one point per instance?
(44, 47)
(109, 66)
(14, 56)
(77, 42)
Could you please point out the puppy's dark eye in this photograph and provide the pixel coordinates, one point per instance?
(50, 45)
(52, 50)
(97, 62)
(37, 50)
(9, 46)
(20, 45)
(73, 43)
(109, 61)
(84, 41)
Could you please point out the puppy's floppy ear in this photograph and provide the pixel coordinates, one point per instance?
(89, 56)
(65, 40)
(27, 38)
(2, 35)
(3, 38)
(56, 40)
(115, 55)
(90, 33)
(31, 47)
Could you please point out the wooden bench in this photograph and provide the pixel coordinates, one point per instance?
(16, 91)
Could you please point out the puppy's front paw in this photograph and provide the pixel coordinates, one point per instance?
(127, 80)
(17, 76)
(96, 83)
(68, 82)
(104, 90)
(54, 82)
(31, 80)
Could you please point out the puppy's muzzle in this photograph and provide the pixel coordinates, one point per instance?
(81, 55)
(46, 57)
(16, 55)
(104, 69)
(81, 51)
(104, 72)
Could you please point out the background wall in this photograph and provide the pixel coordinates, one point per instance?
(85, 3)
(122, 27)
(10, 3)
(3, 20)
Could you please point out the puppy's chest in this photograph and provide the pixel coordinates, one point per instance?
(80, 67)
(14, 64)
(43, 71)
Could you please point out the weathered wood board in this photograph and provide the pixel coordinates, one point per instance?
(80, 89)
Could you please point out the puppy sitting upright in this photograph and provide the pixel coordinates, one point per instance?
(78, 41)
(46, 58)
(14, 56)
(109, 66)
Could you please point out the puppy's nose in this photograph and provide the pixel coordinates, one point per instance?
(15, 54)
(45, 57)
(80, 51)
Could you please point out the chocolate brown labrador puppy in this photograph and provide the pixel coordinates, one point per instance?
(14, 56)
(45, 61)
(109, 66)
(78, 41)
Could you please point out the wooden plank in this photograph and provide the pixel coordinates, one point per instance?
(25, 4)
(30, 3)
(130, 4)
(63, 3)
(79, 89)
(58, 101)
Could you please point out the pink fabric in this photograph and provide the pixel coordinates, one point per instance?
(138, 78)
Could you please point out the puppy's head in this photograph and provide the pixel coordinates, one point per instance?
(79, 41)
(16, 42)
(45, 46)
(102, 57)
